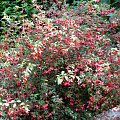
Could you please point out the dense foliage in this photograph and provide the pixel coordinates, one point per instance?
(13, 11)
(64, 65)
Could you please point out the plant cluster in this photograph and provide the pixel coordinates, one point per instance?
(65, 65)
(13, 11)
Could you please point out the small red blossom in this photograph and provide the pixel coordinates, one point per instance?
(49, 115)
(25, 79)
(18, 83)
(96, 107)
(83, 85)
(118, 61)
(39, 117)
(38, 107)
(0, 113)
(45, 106)
(67, 83)
(29, 45)
(97, 1)
(38, 37)
(104, 12)
(10, 112)
(71, 102)
(112, 10)
(77, 109)
(83, 106)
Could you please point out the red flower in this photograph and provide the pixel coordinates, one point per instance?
(112, 10)
(83, 85)
(49, 115)
(67, 83)
(29, 45)
(45, 106)
(0, 55)
(71, 102)
(38, 37)
(39, 117)
(0, 113)
(97, 1)
(109, 84)
(10, 112)
(118, 61)
(83, 106)
(18, 83)
(38, 107)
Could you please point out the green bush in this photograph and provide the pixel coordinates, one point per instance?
(64, 67)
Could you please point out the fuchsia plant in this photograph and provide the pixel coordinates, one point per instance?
(63, 67)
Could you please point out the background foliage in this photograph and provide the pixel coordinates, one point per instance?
(63, 64)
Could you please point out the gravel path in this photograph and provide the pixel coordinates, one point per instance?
(112, 114)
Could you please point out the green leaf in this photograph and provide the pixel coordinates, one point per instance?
(6, 104)
(62, 72)
(1, 103)
(18, 101)
(42, 102)
(59, 80)
(25, 4)
(66, 78)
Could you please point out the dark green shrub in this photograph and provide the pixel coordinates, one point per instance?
(13, 11)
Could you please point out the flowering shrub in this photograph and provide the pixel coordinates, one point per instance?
(62, 67)
(13, 11)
